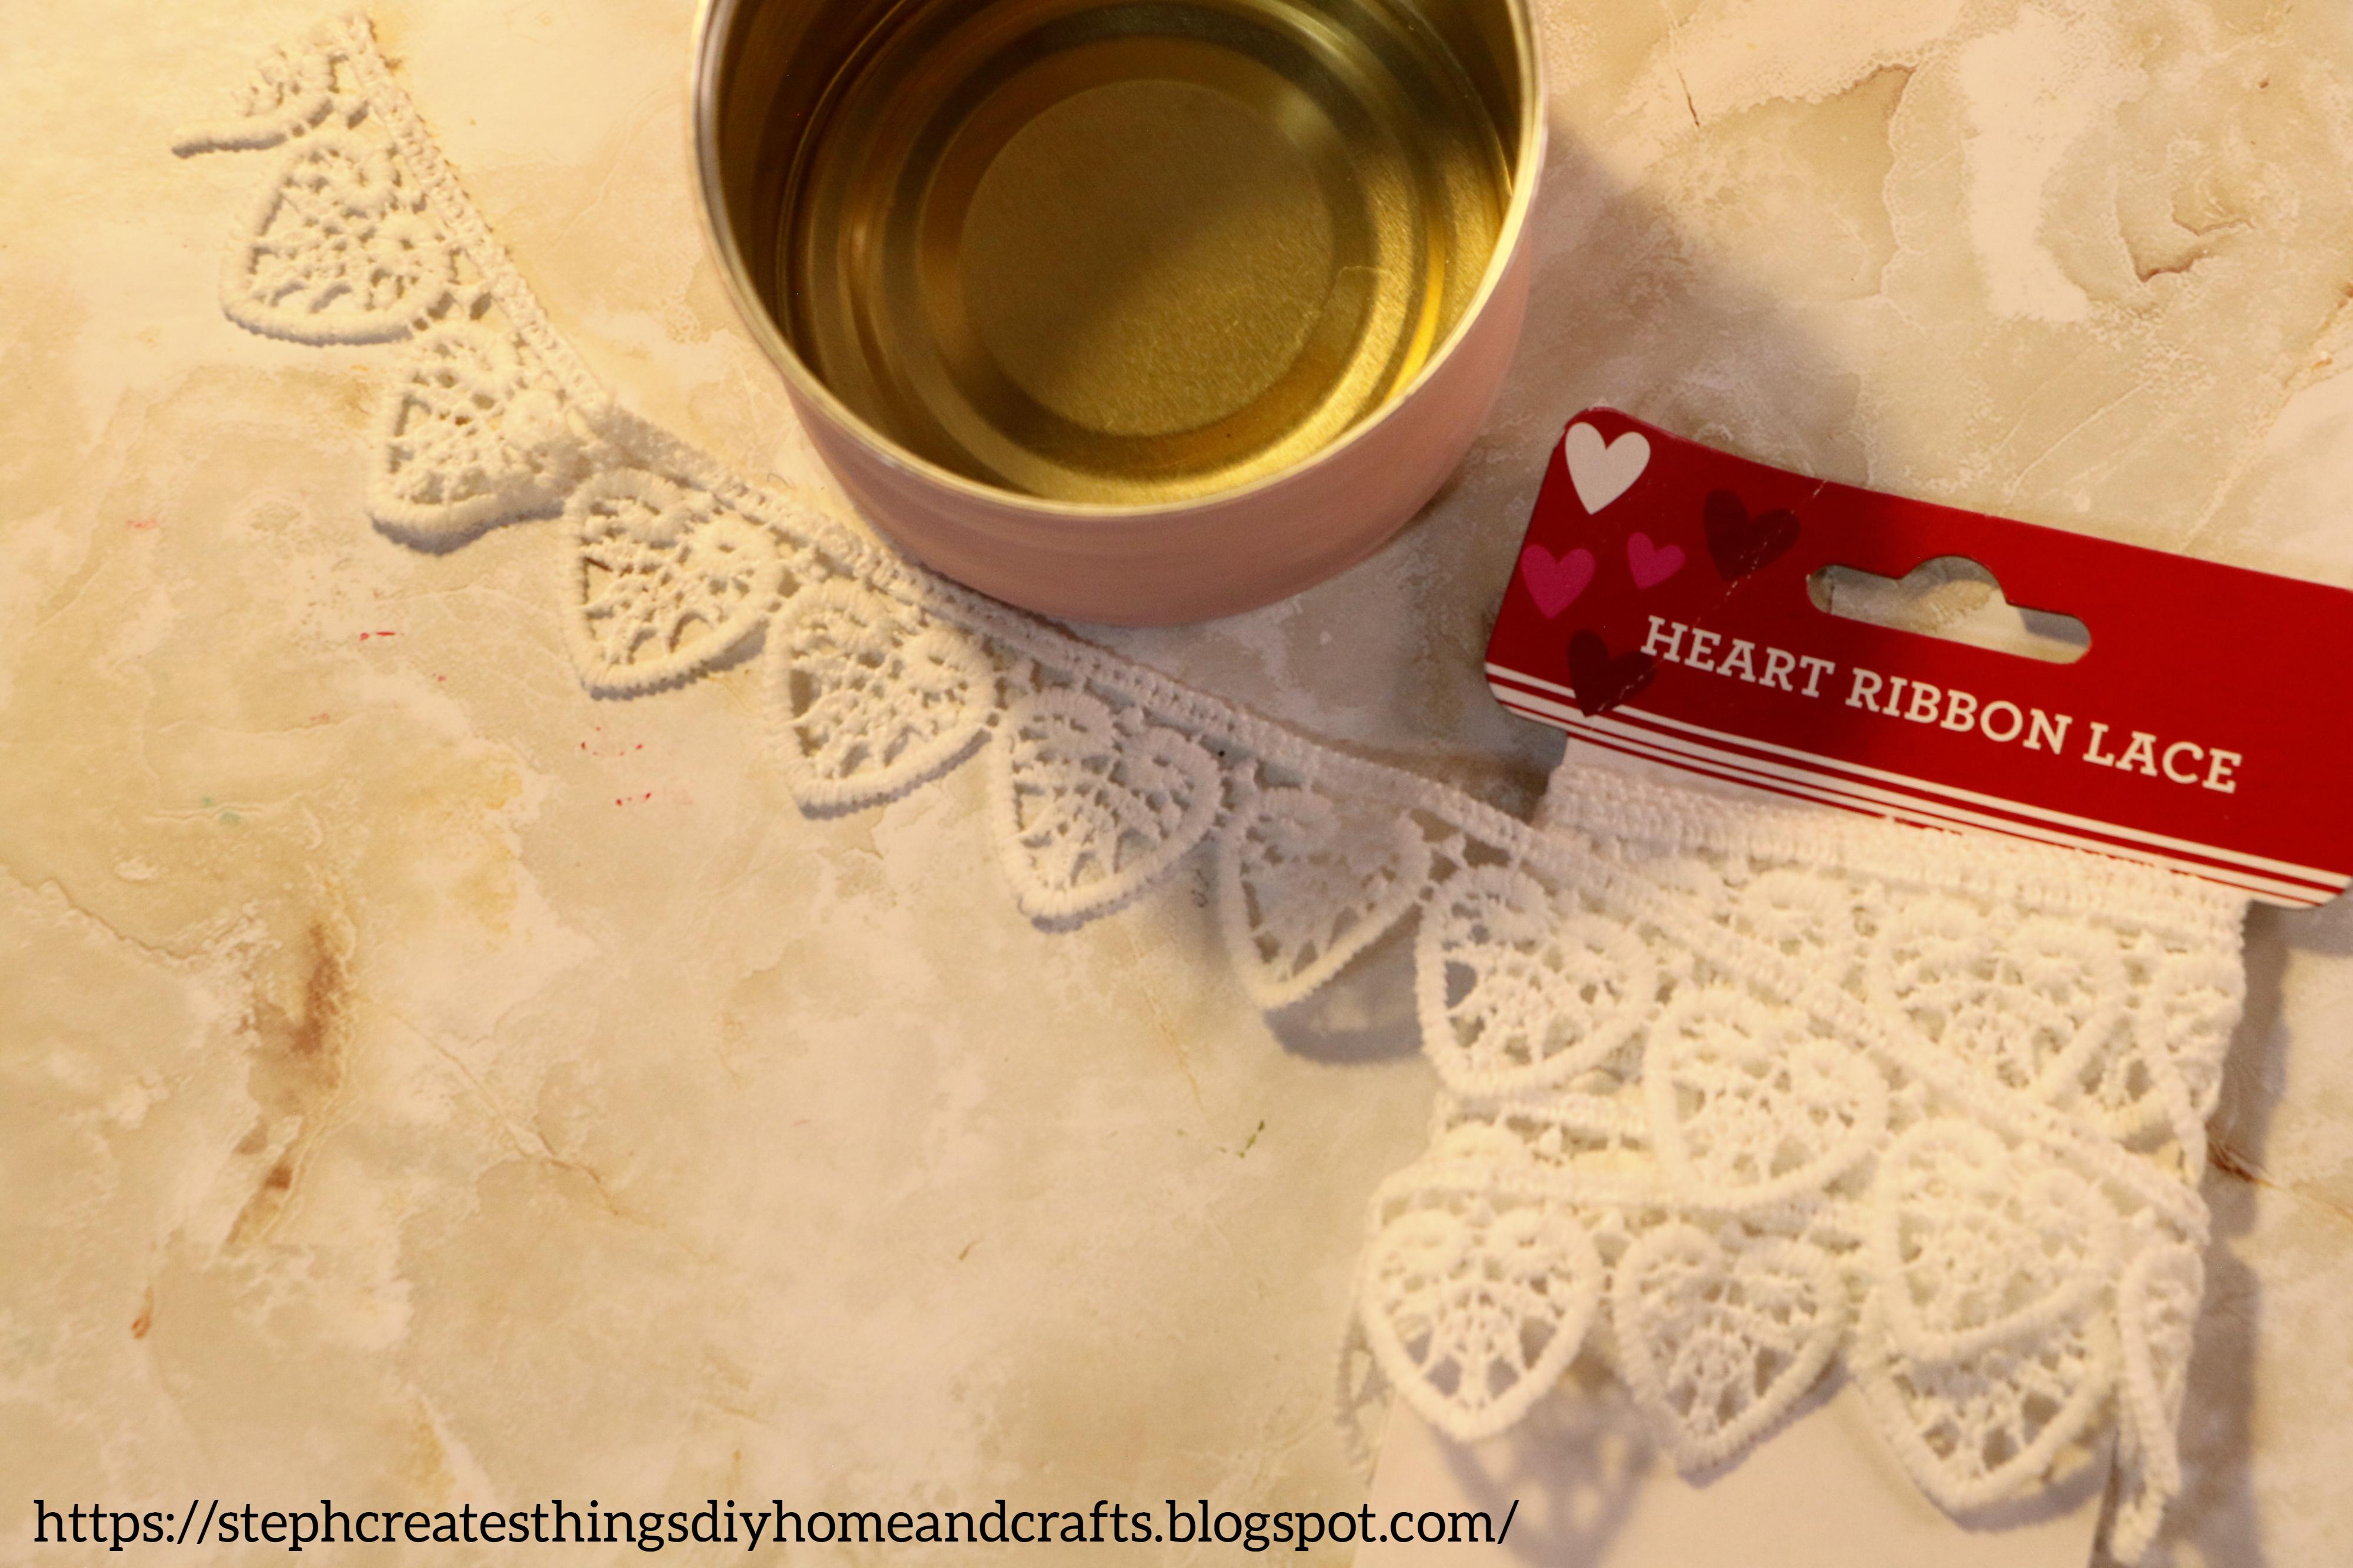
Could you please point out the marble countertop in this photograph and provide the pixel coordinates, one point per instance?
(427, 1081)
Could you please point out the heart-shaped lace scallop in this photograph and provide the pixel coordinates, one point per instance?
(2032, 1004)
(474, 432)
(869, 698)
(2156, 1308)
(1517, 994)
(2157, 1311)
(1305, 884)
(342, 249)
(291, 89)
(1091, 805)
(1719, 1342)
(1476, 1304)
(1805, 914)
(662, 580)
(1976, 1246)
(1749, 1106)
(2182, 1030)
(1993, 1423)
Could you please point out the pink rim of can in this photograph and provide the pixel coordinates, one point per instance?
(1165, 562)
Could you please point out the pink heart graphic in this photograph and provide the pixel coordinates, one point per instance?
(1555, 585)
(1652, 563)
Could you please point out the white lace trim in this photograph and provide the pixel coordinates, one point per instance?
(1732, 1092)
(1749, 1088)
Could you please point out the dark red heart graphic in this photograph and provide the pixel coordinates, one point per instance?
(1601, 682)
(1740, 543)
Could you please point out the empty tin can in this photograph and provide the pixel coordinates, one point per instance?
(1128, 311)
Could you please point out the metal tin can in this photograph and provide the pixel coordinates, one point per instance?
(1128, 310)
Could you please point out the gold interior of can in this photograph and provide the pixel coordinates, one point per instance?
(1128, 251)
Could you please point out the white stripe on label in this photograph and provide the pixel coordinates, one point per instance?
(2309, 885)
(1807, 786)
(1815, 762)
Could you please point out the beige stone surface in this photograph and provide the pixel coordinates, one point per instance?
(424, 1082)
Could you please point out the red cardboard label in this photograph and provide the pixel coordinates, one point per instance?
(1660, 607)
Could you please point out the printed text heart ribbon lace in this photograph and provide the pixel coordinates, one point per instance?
(1733, 1093)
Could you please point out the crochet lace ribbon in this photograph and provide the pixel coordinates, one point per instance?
(1732, 1092)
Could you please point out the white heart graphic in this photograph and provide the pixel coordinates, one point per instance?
(1604, 470)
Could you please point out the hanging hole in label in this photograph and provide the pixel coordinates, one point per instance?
(1953, 597)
